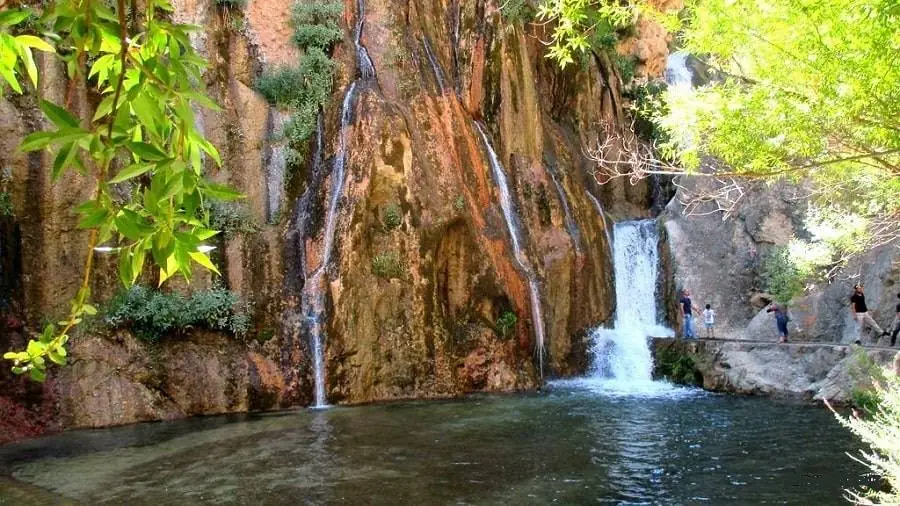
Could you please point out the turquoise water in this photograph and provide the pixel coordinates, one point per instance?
(572, 444)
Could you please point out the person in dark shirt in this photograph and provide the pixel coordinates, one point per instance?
(861, 312)
(781, 320)
(688, 310)
(895, 325)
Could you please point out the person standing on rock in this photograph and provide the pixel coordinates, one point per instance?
(781, 320)
(861, 312)
(688, 310)
(709, 320)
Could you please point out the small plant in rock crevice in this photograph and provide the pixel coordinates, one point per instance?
(231, 218)
(387, 265)
(506, 323)
(678, 367)
(459, 203)
(392, 217)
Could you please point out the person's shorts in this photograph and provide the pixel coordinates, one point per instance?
(710, 325)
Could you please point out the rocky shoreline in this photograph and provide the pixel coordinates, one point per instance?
(797, 370)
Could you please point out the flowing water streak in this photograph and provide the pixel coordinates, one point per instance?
(438, 75)
(622, 354)
(599, 207)
(276, 163)
(364, 63)
(457, 20)
(567, 212)
(509, 214)
(313, 298)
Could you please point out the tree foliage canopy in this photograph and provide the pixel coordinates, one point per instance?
(802, 89)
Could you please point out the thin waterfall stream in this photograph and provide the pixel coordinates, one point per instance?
(438, 74)
(313, 300)
(509, 215)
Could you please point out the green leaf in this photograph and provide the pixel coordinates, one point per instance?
(38, 374)
(125, 274)
(35, 348)
(221, 192)
(10, 355)
(12, 17)
(132, 171)
(203, 259)
(147, 151)
(36, 43)
(137, 262)
(89, 309)
(94, 218)
(59, 116)
(63, 159)
(10, 79)
(127, 223)
(36, 141)
(56, 358)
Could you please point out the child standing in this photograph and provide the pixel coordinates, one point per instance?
(709, 319)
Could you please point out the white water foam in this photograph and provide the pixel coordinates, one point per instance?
(622, 362)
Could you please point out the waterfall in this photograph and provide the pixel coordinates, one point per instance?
(678, 75)
(363, 62)
(438, 75)
(509, 214)
(622, 354)
(313, 298)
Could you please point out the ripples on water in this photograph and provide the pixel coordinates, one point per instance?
(581, 442)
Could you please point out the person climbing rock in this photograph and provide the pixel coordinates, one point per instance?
(709, 321)
(781, 320)
(895, 325)
(861, 312)
(688, 310)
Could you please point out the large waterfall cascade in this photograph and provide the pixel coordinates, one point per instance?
(621, 355)
(512, 220)
(313, 297)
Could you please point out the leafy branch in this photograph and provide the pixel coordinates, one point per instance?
(143, 127)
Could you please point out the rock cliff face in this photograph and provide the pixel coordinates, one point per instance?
(719, 258)
(427, 329)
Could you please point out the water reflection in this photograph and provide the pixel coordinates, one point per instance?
(570, 446)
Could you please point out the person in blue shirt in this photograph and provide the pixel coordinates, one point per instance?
(688, 309)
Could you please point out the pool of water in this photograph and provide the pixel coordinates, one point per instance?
(576, 443)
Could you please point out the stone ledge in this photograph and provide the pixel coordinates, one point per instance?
(799, 370)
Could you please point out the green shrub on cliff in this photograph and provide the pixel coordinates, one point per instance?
(306, 87)
(387, 265)
(506, 323)
(864, 375)
(881, 434)
(152, 314)
(316, 24)
(783, 277)
(678, 367)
